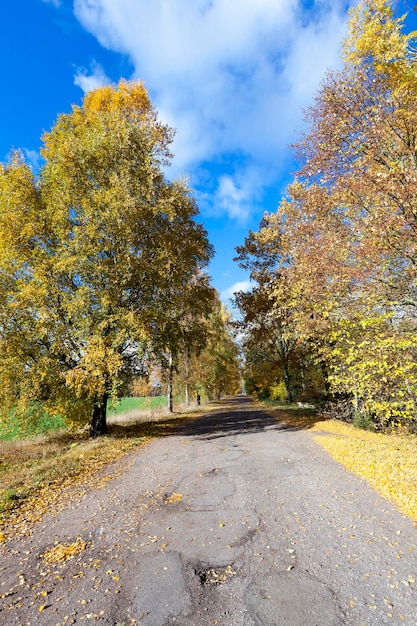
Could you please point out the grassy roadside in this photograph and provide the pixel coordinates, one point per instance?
(386, 461)
(40, 475)
(137, 404)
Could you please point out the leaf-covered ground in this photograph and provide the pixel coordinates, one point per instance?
(386, 461)
(42, 474)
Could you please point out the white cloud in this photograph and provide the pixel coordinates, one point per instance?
(33, 158)
(231, 198)
(88, 80)
(236, 194)
(244, 285)
(232, 78)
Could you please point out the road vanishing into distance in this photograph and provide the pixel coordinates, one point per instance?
(232, 519)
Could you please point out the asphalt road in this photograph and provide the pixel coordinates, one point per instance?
(233, 519)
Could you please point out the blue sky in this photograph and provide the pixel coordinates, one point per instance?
(231, 77)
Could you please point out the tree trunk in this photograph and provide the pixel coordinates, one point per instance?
(287, 382)
(169, 391)
(303, 384)
(187, 376)
(325, 375)
(98, 421)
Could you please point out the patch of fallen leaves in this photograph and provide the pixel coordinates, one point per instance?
(61, 553)
(216, 576)
(387, 461)
(43, 475)
(173, 498)
(37, 486)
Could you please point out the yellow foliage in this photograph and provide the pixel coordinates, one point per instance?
(130, 97)
(375, 34)
(95, 256)
(278, 392)
(98, 364)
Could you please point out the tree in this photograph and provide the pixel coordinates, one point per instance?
(91, 253)
(275, 349)
(216, 370)
(346, 232)
(181, 329)
(361, 150)
(221, 367)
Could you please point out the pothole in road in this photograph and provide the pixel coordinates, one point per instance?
(215, 576)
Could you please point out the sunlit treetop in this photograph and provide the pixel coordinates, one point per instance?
(130, 97)
(376, 35)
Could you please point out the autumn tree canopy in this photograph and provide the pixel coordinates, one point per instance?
(97, 255)
(346, 231)
(208, 366)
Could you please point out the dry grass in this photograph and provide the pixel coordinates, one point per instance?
(386, 461)
(144, 417)
(42, 474)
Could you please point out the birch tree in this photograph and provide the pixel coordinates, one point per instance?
(91, 251)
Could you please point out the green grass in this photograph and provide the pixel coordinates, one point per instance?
(35, 422)
(137, 404)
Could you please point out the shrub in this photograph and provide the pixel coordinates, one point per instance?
(278, 392)
(363, 421)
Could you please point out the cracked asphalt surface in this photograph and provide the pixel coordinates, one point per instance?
(233, 519)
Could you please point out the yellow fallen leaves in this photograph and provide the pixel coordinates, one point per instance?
(61, 553)
(218, 577)
(42, 475)
(173, 498)
(386, 461)
(45, 483)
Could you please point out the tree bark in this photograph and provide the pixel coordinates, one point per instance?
(187, 376)
(169, 391)
(325, 375)
(98, 421)
(287, 382)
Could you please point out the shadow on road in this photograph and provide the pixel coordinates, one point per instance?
(238, 415)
